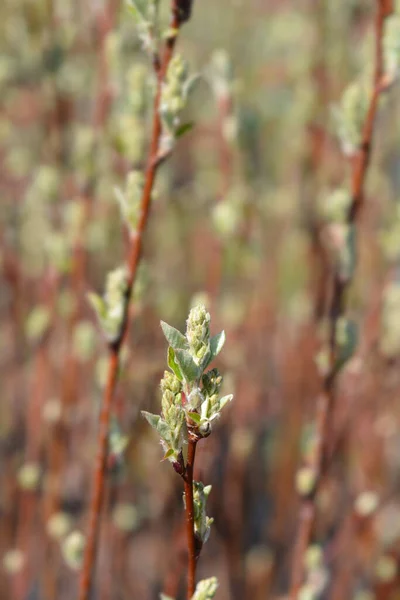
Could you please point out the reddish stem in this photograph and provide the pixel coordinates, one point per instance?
(134, 254)
(326, 403)
(191, 539)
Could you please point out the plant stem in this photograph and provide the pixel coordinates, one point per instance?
(191, 540)
(134, 255)
(327, 401)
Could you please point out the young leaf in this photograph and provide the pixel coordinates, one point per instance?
(164, 430)
(152, 419)
(216, 345)
(173, 365)
(224, 400)
(174, 337)
(169, 453)
(188, 367)
(189, 85)
(182, 129)
(195, 417)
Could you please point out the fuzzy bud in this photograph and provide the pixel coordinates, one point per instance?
(72, 549)
(206, 589)
(198, 333)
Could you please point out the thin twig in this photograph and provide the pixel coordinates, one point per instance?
(135, 250)
(327, 400)
(191, 539)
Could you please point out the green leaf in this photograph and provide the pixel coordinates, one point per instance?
(188, 367)
(98, 304)
(164, 430)
(184, 128)
(175, 338)
(195, 417)
(169, 453)
(216, 344)
(152, 419)
(173, 365)
(164, 597)
(224, 400)
(189, 85)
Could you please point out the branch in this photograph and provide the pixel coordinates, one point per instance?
(326, 403)
(134, 255)
(191, 538)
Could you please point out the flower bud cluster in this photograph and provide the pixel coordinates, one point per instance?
(110, 309)
(174, 416)
(206, 589)
(350, 117)
(129, 199)
(190, 401)
(174, 95)
(202, 523)
(198, 333)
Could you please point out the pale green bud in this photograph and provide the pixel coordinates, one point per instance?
(366, 503)
(13, 561)
(46, 183)
(195, 399)
(202, 523)
(307, 592)
(174, 94)
(350, 116)
(37, 323)
(170, 382)
(59, 525)
(29, 476)
(314, 557)
(52, 411)
(58, 252)
(212, 381)
(198, 333)
(110, 309)
(130, 199)
(125, 517)
(72, 549)
(386, 569)
(306, 478)
(206, 589)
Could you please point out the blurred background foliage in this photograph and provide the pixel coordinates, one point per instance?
(235, 222)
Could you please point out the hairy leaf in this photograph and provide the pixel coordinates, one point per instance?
(174, 337)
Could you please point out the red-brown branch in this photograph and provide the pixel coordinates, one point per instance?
(191, 539)
(327, 400)
(134, 255)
